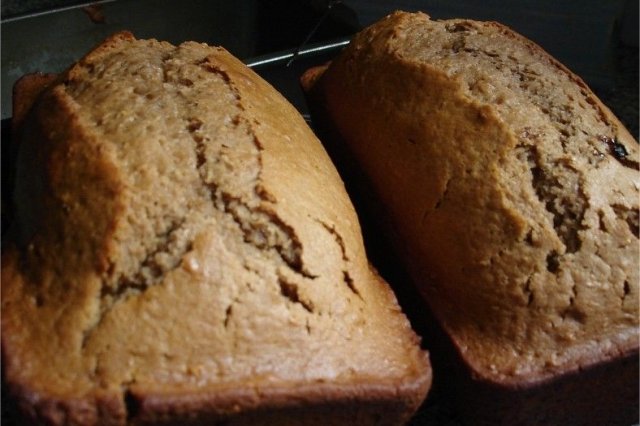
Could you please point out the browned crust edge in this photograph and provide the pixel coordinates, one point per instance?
(604, 389)
(318, 403)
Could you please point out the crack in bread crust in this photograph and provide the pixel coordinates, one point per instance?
(527, 243)
(226, 160)
(170, 283)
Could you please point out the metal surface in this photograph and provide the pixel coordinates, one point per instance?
(278, 58)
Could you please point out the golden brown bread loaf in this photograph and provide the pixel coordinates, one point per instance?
(186, 253)
(513, 194)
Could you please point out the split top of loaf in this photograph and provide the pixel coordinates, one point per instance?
(512, 188)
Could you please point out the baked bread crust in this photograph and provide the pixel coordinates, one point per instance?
(185, 252)
(511, 189)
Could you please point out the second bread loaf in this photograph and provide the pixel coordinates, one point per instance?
(514, 195)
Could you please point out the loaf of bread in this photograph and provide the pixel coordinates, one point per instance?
(512, 193)
(185, 253)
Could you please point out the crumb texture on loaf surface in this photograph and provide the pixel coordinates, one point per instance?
(512, 187)
(186, 246)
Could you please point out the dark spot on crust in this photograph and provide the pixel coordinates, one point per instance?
(290, 291)
(619, 152)
(629, 215)
(227, 315)
(132, 405)
(349, 282)
(553, 264)
(459, 27)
